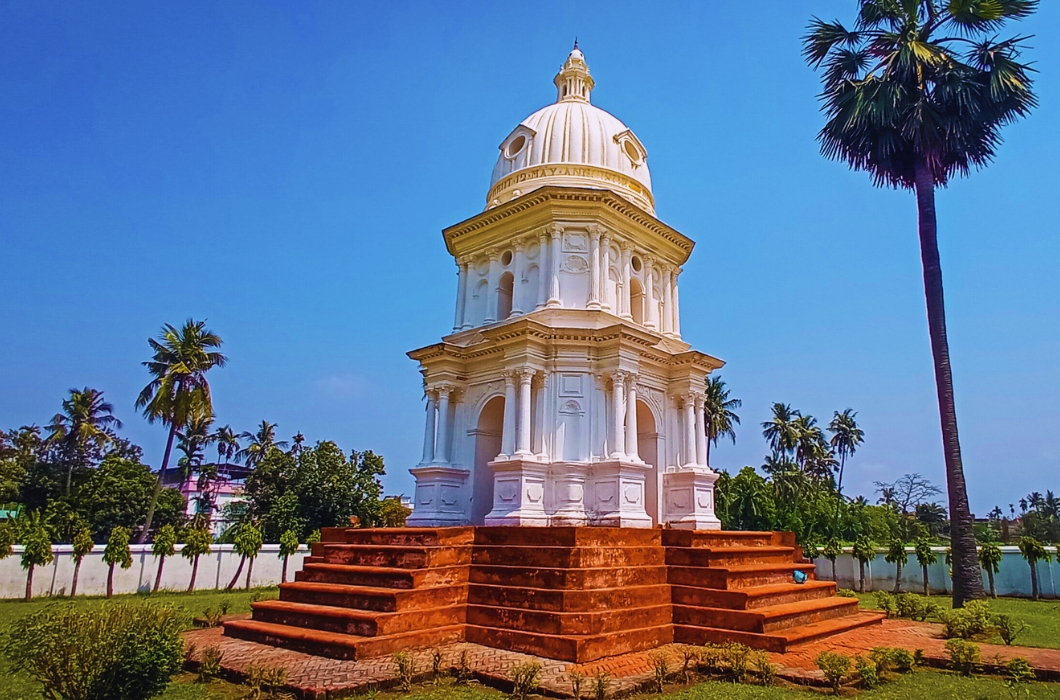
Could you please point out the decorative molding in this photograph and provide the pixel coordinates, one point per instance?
(575, 264)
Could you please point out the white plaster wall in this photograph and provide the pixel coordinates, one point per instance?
(215, 571)
(1013, 579)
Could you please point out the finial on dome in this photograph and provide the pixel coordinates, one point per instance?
(573, 81)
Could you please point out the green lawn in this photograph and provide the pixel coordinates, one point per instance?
(1043, 617)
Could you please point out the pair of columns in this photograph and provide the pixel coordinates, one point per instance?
(624, 413)
(695, 447)
(437, 429)
(515, 436)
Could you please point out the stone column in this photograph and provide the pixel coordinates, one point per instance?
(493, 285)
(554, 264)
(624, 300)
(605, 271)
(701, 431)
(428, 431)
(631, 421)
(649, 294)
(461, 295)
(526, 376)
(517, 278)
(594, 268)
(508, 431)
(618, 402)
(442, 452)
(668, 303)
(541, 408)
(544, 270)
(690, 430)
(677, 307)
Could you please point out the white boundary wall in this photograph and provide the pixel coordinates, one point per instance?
(216, 570)
(1014, 578)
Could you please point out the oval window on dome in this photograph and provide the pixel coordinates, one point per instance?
(632, 152)
(515, 145)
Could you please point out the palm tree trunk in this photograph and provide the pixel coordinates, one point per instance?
(927, 588)
(898, 577)
(967, 581)
(194, 573)
(990, 575)
(158, 576)
(283, 573)
(1034, 580)
(708, 450)
(158, 485)
(834, 579)
(77, 570)
(861, 571)
(235, 578)
(29, 583)
(250, 567)
(110, 581)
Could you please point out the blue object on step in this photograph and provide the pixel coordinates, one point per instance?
(800, 576)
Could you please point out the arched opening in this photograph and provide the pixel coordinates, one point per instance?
(487, 446)
(636, 300)
(648, 449)
(476, 307)
(504, 296)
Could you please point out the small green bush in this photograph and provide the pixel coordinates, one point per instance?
(835, 668)
(964, 655)
(712, 658)
(266, 681)
(690, 657)
(846, 593)
(121, 652)
(1019, 670)
(209, 664)
(575, 679)
(737, 656)
(868, 676)
(406, 670)
(901, 659)
(601, 685)
(970, 621)
(886, 602)
(1009, 628)
(660, 667)
(767, 672)
(915, 607)
(524, 679)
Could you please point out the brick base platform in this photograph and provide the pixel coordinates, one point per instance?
(576, 594)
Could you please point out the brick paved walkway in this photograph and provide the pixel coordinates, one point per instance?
(318, 678)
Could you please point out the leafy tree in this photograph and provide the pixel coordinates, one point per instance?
(719, 413)
(903, 104)
(366, 494)
(82, 547)
(7, 540)
(247, 545)
(117, 553)
(36, 551)
(164, 545)
(896, 555)
(260, 443)
(82, 430)
(925, 557)
(1033, 551)
(990, 559)
(864, 551)
(119, 493)
(846, 437)
(832, 550)
(178, 390)
(392, 513)
(745, 501)
(288, 545)
(196, 543)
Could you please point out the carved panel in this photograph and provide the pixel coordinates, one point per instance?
(575, 265)
(570, 385)
(575, 242)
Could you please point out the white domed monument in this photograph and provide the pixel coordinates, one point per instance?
(565, 394)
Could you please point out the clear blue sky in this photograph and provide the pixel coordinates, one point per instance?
(284, 171)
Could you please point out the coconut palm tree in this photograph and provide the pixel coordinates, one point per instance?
(192, 441)
(299, 439)
(86, 424)
(846, 436)
(915, 94)
(719, 413)
(260, 444)
(227, 444)
(781, 431)
(178, 390)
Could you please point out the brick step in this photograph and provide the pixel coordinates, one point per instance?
(717, 538)
(361, 623)
(382, 577)
(567, 557)
(537, 577)
(766, 619)
(397, 556)
(754, 597)
(413, 536)
(729, 556)
(578, 649)
(372, 598)
(732, 577)
(339, 646)
(592, 600)
(778, 641)
(568, 536)
(570, 623)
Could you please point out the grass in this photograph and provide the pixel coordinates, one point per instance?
(1042, 617)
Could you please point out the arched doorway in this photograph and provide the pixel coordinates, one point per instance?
(648, 449)
(504, 296)
(636, 301)
(487, 446)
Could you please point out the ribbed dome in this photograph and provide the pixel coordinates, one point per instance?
(572, 143)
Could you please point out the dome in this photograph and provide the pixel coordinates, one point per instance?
(574, 144)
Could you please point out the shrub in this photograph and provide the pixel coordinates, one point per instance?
(712, 658)
(266, 681)
(846, 593)
(406, 670)
(210, 617)
(964, 656)
(121, 652)
(737, 656)
(209, 664)
(690, 657)
(1009, 628)
(868, 676)
(575, 679)
(915, 607)
(835, 668)
(881, 657)
(902, 659)
(767, 672)
(1019, 670)
(886, 602)
(660, 667)
(601, 685)
(967, 622)
(524, 679)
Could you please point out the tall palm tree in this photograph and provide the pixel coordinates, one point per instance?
(846, 436)
(260, 444)
(781, 431)
(916, 94)
(227, 445)
(719, 413)
(192, 441)
(299, 439)
(178, 390)
(86, 422)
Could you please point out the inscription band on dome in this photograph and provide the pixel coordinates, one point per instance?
(579, 170)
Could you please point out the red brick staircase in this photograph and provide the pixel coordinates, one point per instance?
(577, 594)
